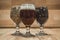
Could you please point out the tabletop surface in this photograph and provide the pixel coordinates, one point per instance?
(5, 34)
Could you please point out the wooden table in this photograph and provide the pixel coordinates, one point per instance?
(5, 34)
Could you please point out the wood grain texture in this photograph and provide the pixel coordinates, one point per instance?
(51, 4)
(5, 4)
(5, 34)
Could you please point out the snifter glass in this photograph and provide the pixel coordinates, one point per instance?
(41, 17)
(14, 15)
(27, 14)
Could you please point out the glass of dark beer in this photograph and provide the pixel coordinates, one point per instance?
(41, 17)
(27, 14)
(14, 15)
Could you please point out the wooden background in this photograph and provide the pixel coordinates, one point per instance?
(53, 6)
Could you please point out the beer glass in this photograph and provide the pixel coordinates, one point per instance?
(27, 14)
(41, 17)
(14, 15)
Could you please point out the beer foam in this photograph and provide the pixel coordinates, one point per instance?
(27, 6)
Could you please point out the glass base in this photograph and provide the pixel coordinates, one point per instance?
(42, 34)
(17, 33)
(28, 34)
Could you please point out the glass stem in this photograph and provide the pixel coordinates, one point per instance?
(41, 29)
(17, 28)
(27, 29)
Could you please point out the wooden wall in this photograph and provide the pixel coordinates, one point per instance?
(53, 6)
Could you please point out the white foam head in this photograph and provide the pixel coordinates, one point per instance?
(27, 6)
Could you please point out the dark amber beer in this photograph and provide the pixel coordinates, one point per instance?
(42, 14)
(27, 16)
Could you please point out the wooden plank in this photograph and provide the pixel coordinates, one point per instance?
(51, 4)
(5, 4)
(5, 34)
